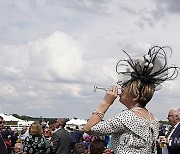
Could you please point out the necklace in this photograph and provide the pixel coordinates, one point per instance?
(136, 108)
(140, 108)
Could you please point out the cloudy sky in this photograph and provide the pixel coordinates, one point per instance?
(52, 52)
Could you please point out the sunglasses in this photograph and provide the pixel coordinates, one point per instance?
(1, 122)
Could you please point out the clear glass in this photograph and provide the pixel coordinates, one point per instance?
(103, 88)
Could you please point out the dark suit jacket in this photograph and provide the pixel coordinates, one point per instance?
(175, 141)
(3, 149)
(61, 142)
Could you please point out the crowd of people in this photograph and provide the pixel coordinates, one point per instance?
(54, 137)
(57, 138)
(134, 131)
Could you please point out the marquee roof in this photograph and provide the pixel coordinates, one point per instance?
(76, 122)
(9, 117)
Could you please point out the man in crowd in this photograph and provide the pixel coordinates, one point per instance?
(24, 133)
(173, 136)
(3, 148)
(61, 138)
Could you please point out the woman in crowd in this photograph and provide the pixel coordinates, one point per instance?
(47, 136)
(35, 142)
(18, 148)
(134, 130)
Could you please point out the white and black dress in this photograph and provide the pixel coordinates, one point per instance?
(130, 134)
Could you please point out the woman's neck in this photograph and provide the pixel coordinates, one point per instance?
(134, 106)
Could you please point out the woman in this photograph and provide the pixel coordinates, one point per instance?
(47, 138)
(134, 131)
(35, 142)
(18, 148)
(47, 134)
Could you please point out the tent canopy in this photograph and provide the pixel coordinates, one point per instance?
(77, 122)
(9, 117)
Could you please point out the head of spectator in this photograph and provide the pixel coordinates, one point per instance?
(62, 122)
(79, 149)
(174, 116)
(15, 130)
(52, 125)
(8, 128)
(1, 123)
(24, 129)
(97, 147)
(55, 124)
(43, 123)
(18, 148)
(35, 129)
(47, 132)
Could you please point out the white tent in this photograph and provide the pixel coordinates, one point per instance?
(77, 122)
(20, 122)
(12, 118)
(80, 122)
(71, 122)
(9, 117)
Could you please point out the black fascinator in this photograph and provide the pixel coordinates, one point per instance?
(150, 69)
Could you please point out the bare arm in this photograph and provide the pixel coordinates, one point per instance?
(108, 100)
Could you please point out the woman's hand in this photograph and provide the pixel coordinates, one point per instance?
(110, 95)
(98, 114)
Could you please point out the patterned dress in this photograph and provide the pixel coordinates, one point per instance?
(130, 134)
(34, 145)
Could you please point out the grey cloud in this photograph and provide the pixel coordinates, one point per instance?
(164, 7)
(91, 6)
(172, 6)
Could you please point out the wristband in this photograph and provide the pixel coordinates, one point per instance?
(99, 114)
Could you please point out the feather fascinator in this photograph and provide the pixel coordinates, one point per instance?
(150, 69)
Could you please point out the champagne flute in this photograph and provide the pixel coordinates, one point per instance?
(101, 88)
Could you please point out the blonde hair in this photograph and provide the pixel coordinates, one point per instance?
(35, 129)
(143, 93)
(19, 146)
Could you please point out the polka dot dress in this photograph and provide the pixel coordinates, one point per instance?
(130, 133)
